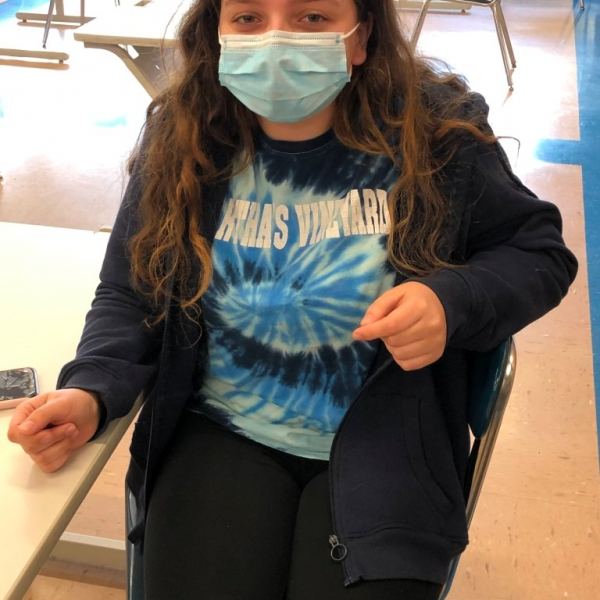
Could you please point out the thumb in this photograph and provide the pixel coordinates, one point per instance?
(39, 414)
(382, 306)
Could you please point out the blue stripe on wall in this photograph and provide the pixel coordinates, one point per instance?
(585, 153)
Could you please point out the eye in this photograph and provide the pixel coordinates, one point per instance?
(245, 19)
(314, 18)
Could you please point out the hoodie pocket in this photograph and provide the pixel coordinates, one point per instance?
(428, 451)
(392, 466)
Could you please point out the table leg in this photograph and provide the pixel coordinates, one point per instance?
(147, 66)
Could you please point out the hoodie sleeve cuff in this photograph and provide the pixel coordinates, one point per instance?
(455, 295)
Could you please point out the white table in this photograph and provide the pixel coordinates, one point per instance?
(47, 281)
(142, 36)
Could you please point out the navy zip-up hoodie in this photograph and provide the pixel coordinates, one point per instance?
(399, 456)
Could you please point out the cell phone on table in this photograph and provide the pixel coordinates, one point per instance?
(18, 383)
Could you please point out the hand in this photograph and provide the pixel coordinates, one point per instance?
(411, 322)
(51, 426)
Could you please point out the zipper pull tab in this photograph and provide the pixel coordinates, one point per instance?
(338, 551)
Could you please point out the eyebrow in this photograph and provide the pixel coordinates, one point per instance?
(233, 2)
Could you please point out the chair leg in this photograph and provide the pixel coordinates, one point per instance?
(48, 22)
(451, 574)
(504, 45)
(416, 32)
(581, 5)
(135, 557)
(502, 20)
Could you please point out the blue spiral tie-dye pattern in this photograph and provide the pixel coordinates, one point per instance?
(299, 255)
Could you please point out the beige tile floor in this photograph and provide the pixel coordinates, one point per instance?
(63, 140)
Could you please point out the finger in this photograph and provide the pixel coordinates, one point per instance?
(23, 410)
(411, 361)
(409, 350)
(39, 442)
(52, 413)
(416, 355)
(397, 323)
(383, 305)
(419, 331)
(54, 457)
(416, 363)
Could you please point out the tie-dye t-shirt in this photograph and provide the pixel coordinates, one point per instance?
(299, 255)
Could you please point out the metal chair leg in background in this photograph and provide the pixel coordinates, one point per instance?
(48, 22)
(61, 9)
(506, 49)
(493, 375)
(416, 32)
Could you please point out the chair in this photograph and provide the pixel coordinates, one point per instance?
(506, 49)
(493, 374)
(49, 19)
(135, 557)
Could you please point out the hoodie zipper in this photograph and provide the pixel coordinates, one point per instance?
(339, 551)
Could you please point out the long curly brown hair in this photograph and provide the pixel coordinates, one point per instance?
(384, 110)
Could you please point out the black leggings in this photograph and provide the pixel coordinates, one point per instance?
(231, 519)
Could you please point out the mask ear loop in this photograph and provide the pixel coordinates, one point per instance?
(347, 35)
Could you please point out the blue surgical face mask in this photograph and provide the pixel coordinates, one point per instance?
(282, 76)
